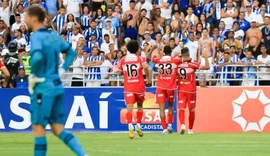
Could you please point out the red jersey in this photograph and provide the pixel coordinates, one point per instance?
(187, 76)
(132, 66)
(2, 65)
(167, 71)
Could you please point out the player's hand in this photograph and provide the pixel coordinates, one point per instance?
(32, 81)
(61, 72)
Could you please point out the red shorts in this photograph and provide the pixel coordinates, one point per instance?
(132, 98)
(185, 99)
(164, 95)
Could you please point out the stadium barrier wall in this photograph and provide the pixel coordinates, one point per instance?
(87, 109)
(239, 109)
(103, 110)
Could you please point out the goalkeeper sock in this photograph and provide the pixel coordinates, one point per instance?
(170, 118)
(72, 142)
(40, 146)
(182, 116)
(139, 117)
(163, 123)
(191, 119)
(129, 117)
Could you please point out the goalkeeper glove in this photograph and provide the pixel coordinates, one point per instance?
(32, 81)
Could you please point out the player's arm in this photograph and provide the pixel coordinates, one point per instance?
(119, 70)
(36, 58)
(145, 67)
(155, 59)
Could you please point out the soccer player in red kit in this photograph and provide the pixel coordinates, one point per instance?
(134, 87)
(6, 73)
(187, 88)
(166, 85)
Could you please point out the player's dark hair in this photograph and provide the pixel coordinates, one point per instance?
(185, 52)
(133, 46)
(36, 11)
(167, 50)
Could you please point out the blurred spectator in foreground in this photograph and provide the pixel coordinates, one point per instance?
(21, 81)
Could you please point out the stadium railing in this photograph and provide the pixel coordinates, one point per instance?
(201, 75)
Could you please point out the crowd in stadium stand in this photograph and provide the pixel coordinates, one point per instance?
(234, 32)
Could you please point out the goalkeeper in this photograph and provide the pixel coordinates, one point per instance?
(45, 86)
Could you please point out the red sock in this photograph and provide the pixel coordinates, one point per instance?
(182, 116)
(163, 123)
(139, 117)
(129, 117)
(170, 118)
(191, 119)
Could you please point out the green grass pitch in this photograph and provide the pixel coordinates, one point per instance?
(152, 144)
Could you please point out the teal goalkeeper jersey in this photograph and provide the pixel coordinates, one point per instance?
(46, 46)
